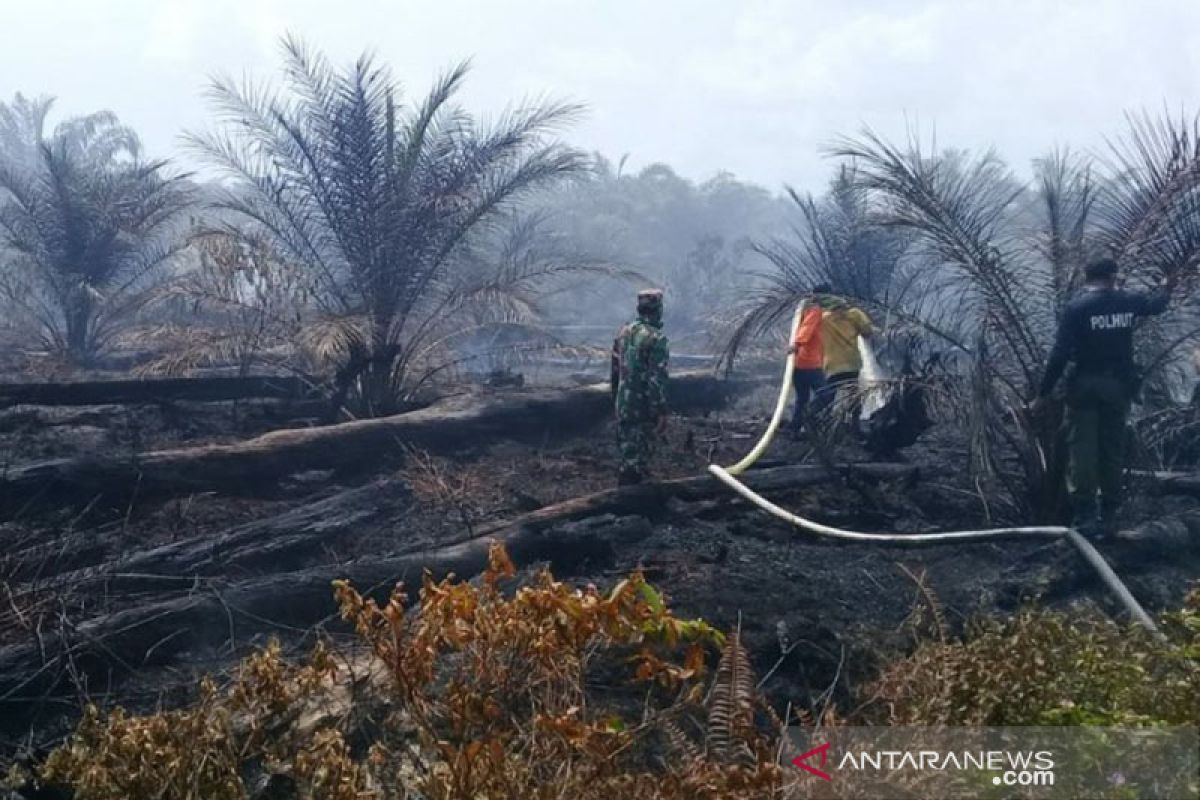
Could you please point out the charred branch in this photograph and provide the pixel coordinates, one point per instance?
(157, 390)
(453, 425)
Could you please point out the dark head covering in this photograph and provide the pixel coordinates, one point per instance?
(1104, 269)
(650, 301)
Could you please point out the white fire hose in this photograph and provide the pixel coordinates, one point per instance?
(728, 476)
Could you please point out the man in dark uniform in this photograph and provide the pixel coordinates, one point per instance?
(1096, 333)
(639, 386)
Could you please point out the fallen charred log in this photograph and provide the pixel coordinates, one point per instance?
(48, 558)
(650, 498)
(1168, 483)
(1167, 536)
(300, 530)
(277, 543)
(245, 467)
(111, 646)
(580, 531)
(155, 390)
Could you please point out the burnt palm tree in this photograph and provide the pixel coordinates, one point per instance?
(86, 225)
(835, 241)
(375, 200)
(999, 259)
(982, 263)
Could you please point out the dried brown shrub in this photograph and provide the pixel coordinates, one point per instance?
(476, 692)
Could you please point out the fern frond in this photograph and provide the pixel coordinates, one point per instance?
(932, 604)
(731, 705)
(682, 746)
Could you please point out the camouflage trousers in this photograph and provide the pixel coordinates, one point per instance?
(635, 444)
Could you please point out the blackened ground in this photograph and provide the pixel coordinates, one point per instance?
(837, 609)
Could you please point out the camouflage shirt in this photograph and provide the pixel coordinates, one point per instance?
(639, 370)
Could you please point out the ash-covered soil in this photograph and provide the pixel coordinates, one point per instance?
(819, 615)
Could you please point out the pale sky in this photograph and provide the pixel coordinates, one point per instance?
(755, 87)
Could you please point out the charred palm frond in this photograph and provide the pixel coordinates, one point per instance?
(1170, 438)
(991, 264)
(509, 276)
(834, 241)
(22, 123)
(1148, 216)
(960, 211)
(1164, 348)
(1067, 193)
(243, 305)
(88, 224)
(1149, 211)
(862, 257)
(373, 198)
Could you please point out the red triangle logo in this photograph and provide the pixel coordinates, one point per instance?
(823, 752)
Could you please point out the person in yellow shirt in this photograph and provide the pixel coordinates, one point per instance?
(841, 326)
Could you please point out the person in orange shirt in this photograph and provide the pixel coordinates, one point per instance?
(808, 354)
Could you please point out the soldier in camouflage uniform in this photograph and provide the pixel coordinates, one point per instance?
(639, 385)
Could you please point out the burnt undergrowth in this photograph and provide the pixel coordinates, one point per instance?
(819, 620)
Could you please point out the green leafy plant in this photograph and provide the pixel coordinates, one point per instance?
(1048, 668)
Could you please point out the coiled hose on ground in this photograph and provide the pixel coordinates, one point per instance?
(728, 476)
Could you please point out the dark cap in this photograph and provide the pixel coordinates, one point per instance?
(1101, 270)
(650, 300)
